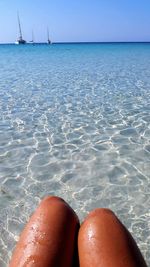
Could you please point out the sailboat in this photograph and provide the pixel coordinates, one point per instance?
(48, 39)
(32, 41)
(20, 39)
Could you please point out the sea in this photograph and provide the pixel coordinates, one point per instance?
(75, 123)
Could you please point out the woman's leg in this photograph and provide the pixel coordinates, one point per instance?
(103, 241)
(49, 238)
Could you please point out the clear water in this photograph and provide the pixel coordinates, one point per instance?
(75, 122)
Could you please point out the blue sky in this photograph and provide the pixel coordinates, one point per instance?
(76, 20)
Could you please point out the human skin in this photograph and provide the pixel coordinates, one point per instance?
(104, 241)
(49, 238)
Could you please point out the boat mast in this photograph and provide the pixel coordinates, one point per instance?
(20, 39)
(48, 40)
(20, 33)
(32, 37)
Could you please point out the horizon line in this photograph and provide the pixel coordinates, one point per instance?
(82, 42)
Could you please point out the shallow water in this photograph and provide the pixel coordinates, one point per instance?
(75, 122)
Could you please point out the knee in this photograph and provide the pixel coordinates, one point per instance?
(100, 215)
(99, 222)
(100, 212)
(53, 198)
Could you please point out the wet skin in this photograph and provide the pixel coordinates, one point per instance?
(49, 238)
(104, 241)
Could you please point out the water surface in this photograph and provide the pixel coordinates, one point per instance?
(75, 122)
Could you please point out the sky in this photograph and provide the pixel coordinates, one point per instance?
(76, 20)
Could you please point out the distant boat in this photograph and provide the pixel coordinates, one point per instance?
(32, 41)
(48, 39)
(20, 39)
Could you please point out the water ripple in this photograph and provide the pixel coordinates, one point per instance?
(75, 123)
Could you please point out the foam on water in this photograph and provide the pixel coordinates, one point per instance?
(75, 122)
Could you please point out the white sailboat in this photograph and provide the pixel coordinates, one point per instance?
(32, 41)
(20, 39)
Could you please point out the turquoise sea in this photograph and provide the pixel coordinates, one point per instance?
(75, 122)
